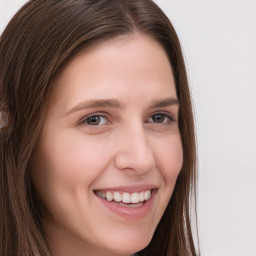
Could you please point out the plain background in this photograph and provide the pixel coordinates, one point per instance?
(219, 43)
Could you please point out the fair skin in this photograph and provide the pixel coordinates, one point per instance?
(112, 126)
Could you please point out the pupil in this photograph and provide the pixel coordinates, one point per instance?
(158, 118)
(94, 120)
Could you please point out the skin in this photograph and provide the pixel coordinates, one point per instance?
(129, 146)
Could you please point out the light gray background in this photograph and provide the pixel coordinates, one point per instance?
(219, 41)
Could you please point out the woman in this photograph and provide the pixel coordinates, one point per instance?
(98, 154)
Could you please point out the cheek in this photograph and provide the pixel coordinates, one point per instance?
(65, 165)
(170, 159)
(72, 157)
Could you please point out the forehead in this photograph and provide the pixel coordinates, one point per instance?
(115, 66)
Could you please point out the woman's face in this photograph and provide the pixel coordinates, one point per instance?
(110, 150)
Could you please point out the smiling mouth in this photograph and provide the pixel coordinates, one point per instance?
(136, 199)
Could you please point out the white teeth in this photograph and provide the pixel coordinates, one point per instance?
(142, 196)
(125, 197)
(109, 196)
(147, 195)
(117, 197)
(135, 198)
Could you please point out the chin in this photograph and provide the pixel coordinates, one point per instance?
(130, 243)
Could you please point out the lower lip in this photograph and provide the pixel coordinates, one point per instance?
(131, 213)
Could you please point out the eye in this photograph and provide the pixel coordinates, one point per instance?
(95, 120)
(161, 118)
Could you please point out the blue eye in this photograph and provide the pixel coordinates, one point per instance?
(161, 118)
(96, 120)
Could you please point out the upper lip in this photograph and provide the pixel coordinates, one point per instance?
(130, 189)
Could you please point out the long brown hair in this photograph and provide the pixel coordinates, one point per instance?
(36, 45)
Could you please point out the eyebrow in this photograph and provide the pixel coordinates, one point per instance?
(164, 103)
(114, 103)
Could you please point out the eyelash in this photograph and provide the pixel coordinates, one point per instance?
(166, 116)
(85, 121)
(167, 119)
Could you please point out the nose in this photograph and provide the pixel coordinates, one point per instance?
(134, 152)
